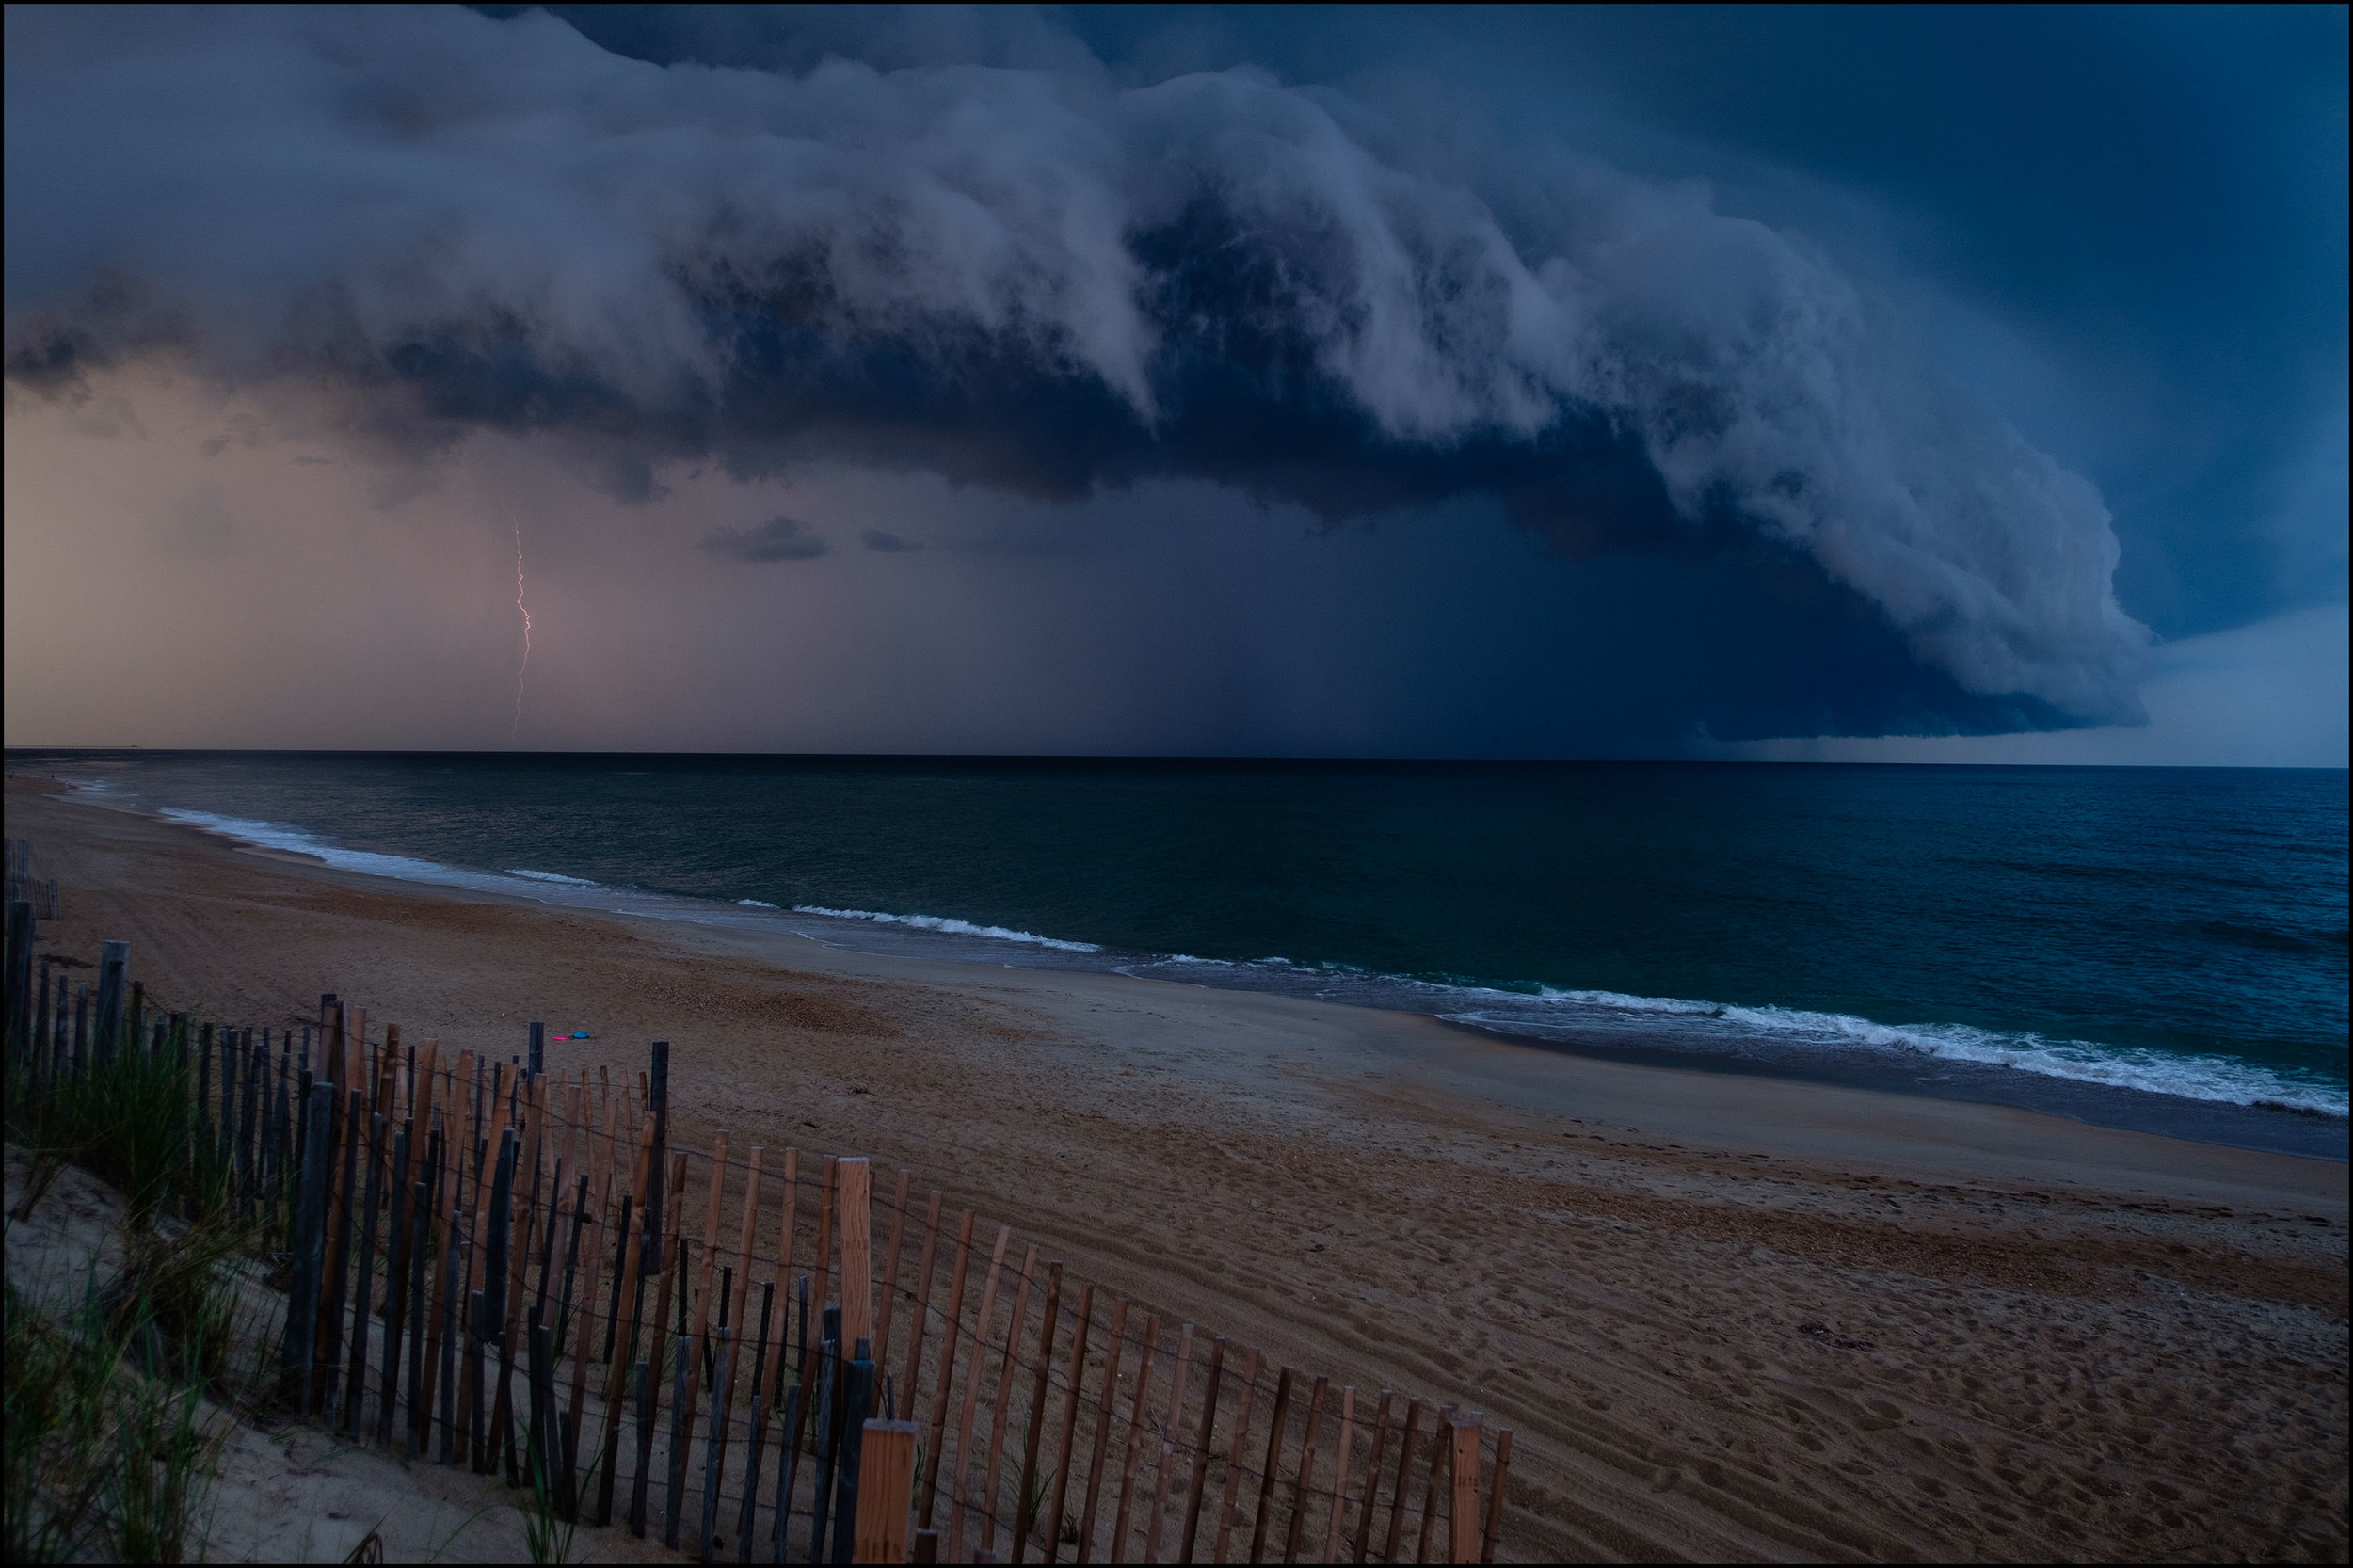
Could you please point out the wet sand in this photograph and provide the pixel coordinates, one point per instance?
(1728, 1316)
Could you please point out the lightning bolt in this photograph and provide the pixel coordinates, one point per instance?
(515, 731)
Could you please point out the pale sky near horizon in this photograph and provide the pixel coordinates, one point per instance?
(1705, 383)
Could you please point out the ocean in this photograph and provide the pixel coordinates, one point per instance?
(2155, 949)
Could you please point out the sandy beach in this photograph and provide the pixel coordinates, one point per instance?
(1728, 1317)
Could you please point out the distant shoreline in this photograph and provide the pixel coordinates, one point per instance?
(2259, 1128)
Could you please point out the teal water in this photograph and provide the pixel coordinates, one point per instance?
(2177, 935)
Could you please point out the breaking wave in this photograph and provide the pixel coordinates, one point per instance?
(950, 926)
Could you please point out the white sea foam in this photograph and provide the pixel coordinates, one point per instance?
(1682, 1023)
(944, 923)
(2191, 1076)
(1553, 1012)
(294, 840)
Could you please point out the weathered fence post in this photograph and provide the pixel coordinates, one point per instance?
(1001, 1401)
(959, 1482)
(712, 1473)
(57, 1037)
(857, 1404)
(1025, 1512)
(692, 1398)
(1495, 1496)
(1372, 1475)
(433, 1305)
(250, 1088)
(356, 1389)
(420, 1222)
(34, 1041)
(1306, 1468)
(854, 1182)
(780, 1533)
(1069, 1418)
(114, 962)
(1233, 1460)
(1462, 1515)
(682, 1377)
(338, 1245)
(821, 1265)
(1438, 1452)
(20, 974)
(281, 1115)
(1397, 1493)
(204, 1087)
(490, 1321)
(1201, 1448)
(623, 1350)
(476, 1416)
(658, 1103)
(446, 1331)
(49, 1029)
(395, 1281)
(954, 1331)
(645, 1449)
(824, 1430)
(922, 1303)
(309, 1249)
(1167, 1458)
(759, 1420)
(1117, 1352)
(1273, 1462)
(1339, 1474)
(547, 1437)
(887, 1477)
(1139, 1403)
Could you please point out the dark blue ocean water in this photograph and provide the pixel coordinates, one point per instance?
(2081, 939)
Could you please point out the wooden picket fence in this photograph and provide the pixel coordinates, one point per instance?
(490, 1265)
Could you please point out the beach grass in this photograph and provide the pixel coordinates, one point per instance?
(121, 1362)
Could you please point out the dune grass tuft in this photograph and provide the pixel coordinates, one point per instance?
(110, 1437)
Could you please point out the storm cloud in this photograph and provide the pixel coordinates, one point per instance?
(1038, 277)
(780, 538)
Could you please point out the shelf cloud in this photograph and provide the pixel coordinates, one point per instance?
(1037, 278)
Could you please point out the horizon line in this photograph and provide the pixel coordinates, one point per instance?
(13, 751)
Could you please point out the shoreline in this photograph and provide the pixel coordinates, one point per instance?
(2324, 1142)
(2284, 1130)
(1729, 1316)
(1507, 1080)
(2261, 1125)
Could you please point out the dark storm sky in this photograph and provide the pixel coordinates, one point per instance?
(1520, 380)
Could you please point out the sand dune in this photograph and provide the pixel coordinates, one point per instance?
(1729, 1319)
